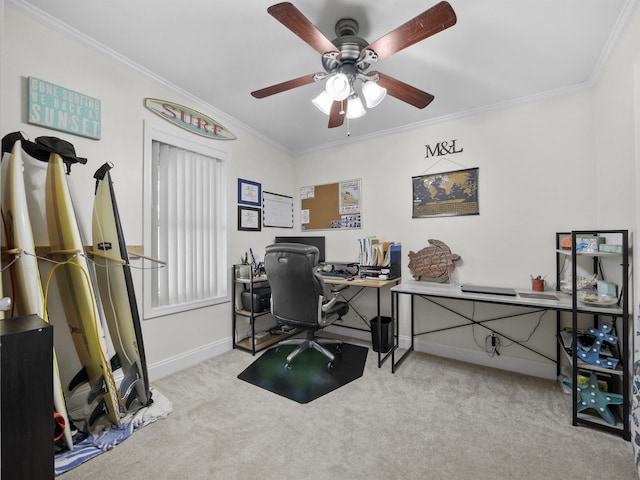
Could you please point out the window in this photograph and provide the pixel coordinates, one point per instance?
(185, 223)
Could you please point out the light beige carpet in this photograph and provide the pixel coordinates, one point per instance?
(432, 419)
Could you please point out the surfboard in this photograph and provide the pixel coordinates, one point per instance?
(2, 299)
(117, 294)
(76, 291)
(27, 287)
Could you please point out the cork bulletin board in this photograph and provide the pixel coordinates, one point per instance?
(331, 206)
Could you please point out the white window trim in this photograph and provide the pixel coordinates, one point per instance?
(189, 142)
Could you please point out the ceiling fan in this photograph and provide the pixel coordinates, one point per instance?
(348, 57)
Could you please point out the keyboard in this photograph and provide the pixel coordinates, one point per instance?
(336, 275)
(490, 290)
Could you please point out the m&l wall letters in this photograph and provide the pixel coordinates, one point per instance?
(442, 148)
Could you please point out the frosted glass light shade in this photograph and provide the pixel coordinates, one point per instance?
(323, 102)
(338, 86)
(355, 109)
(373, 93)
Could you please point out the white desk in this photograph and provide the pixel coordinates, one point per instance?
(433, 291)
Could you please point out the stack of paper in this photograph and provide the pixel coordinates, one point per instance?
(375, 253)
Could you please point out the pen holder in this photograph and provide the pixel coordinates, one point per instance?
(243, 271)
(537, 285)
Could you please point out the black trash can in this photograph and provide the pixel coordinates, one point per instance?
(386, 334)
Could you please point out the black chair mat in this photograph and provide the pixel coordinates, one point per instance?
(308, 378)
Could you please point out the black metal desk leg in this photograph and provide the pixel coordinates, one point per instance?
(379, 328)
(396, 314)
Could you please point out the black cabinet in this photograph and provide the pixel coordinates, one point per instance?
(26, 398)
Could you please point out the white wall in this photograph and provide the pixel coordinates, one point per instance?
(553, 164)
(174, 341)
(535, 169)
(543, 168)
(536, 162)
(617, 147)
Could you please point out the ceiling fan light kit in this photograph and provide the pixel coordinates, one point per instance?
(338, 87)
(373, 93)
(347, 58)
(355, 109)
(323, 102)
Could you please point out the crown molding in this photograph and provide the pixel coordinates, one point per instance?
(97, 47)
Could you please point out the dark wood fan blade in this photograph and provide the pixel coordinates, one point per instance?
(294, 20)
(284, 86)
(404, 92)
(338, 112)
(429, 22)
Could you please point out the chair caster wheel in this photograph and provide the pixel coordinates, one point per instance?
(330, 366)
(287, 367)
(338, 348)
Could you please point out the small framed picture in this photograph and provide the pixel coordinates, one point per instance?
(249, 218)
(249, 193)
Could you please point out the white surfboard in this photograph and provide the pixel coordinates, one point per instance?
(27, 293)
(117, 293)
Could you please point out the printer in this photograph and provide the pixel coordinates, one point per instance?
(257, 301)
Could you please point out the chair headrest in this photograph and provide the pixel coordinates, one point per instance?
(295, 248)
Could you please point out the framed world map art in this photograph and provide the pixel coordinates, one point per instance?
(446, 194)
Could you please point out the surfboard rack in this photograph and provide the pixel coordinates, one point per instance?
(138, 255)
(134, 251)
(64, 252)
(98, 253)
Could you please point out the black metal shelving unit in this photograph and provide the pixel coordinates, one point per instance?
(609, 266)
(248, 343)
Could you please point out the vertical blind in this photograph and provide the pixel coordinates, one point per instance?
(186, 226)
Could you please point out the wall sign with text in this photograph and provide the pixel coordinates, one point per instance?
(59, 108)
(446, 147)
(188, 119)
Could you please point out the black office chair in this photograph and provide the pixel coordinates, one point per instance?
(298, 297)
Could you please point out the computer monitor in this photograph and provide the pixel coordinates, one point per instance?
(315, 241)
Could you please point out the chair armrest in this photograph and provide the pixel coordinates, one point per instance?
(329, 304)
(338, 288)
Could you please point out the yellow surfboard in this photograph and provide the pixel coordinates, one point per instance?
(27, 287)
(77, 295)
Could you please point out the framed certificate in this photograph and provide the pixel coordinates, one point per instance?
(249, 193)
(249, 218)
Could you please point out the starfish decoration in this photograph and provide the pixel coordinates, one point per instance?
(590, 396)
(591, 354)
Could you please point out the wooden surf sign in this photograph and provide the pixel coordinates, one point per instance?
(188, 119)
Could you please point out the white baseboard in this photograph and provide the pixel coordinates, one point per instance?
(188, 359)
(503, 362)
(349, 332)
(76, 401)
